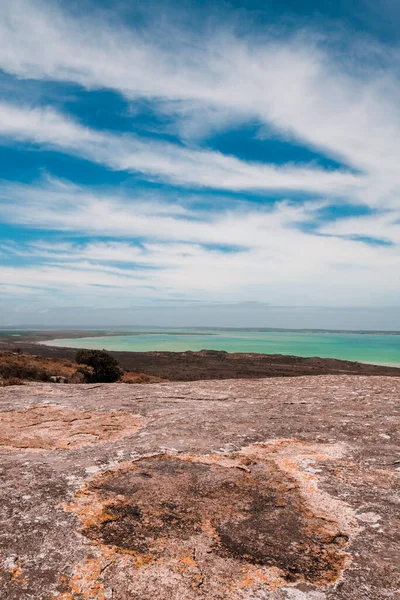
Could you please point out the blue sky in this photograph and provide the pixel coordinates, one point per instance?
(169, 163)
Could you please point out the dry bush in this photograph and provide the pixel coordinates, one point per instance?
(103, 367)
(33, 368)
(18, 367)
(132, 377)
(81, 375)
(11, 381)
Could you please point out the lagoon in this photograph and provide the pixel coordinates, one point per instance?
(378, 348)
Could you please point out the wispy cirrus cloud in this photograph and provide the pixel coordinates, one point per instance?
(298, 86)
(214, 276)
(240, 253)
(293, 82)
(384, 227)
(166, 161)
(63, 206)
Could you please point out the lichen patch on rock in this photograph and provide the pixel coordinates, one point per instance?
(48, 427)
(84, 583)
(298, 490)
(203, 516)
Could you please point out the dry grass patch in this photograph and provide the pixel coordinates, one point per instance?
(15, 368)
(132, 377)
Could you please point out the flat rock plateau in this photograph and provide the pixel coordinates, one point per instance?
(279, 488)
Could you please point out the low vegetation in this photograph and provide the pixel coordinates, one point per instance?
(17, 368)
(103, 368)
(132, 377)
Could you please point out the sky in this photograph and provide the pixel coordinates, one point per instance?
(200, 163)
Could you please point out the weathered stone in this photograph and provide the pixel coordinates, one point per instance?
(58, 379)
(49, 427)
(281, 489)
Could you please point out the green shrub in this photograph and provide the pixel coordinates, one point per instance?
(104, 367)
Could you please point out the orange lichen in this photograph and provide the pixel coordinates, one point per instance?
(89, 513)
(84, 582)
(16, 572)
(254, 578)
(189, 562)
(236, 504)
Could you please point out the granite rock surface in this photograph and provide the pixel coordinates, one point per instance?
(281, 489)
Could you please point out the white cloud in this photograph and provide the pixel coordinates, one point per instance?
(293, 84)
(181, 256)
(384, 227)
(278, 273)
(66, 207)
(172, 163)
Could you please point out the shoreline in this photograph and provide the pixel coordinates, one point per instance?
(49, 342)
(187, 365)
(193, 330)
(42, 336)
(381, 364)
(216, 364)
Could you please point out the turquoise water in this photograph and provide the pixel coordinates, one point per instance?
(374, 348)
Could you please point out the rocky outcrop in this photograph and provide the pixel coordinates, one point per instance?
(244, 490)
